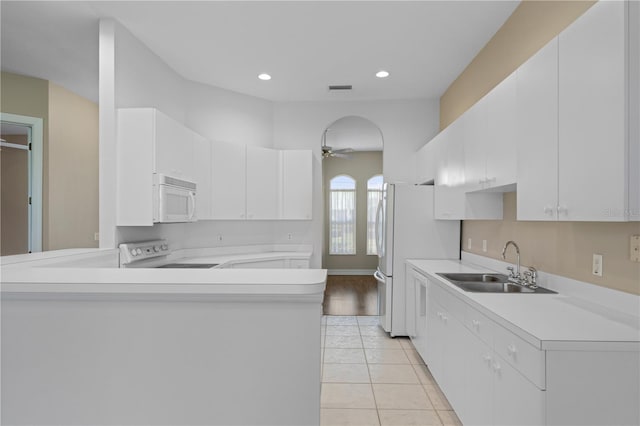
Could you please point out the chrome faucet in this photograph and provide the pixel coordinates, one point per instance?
(513, 277)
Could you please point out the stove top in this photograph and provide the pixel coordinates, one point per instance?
(189, 265)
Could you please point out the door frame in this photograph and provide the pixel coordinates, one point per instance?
(36, 155)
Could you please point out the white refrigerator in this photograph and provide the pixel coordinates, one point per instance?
(406, 229)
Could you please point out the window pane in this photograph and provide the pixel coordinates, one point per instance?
(342, 216)
(374, 195)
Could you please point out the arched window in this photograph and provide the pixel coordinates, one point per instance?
(342, 215)
(374, 196)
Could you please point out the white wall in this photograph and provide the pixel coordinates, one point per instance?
(227, 116)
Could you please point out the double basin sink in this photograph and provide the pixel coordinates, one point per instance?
(489, 283)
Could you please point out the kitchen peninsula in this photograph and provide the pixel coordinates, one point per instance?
(157, 346)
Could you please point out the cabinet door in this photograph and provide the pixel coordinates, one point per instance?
(263, 183)
(202, 175)
(433, 349)
(516, 401)
(500, 148)
(475, 145)
(449, 188)
(173, 150)
(478, 408)
(592, 125)
(297, 184)
(228, 181)
(537, 135)
(455, 342)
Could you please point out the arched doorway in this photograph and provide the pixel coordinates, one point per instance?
(352, 148)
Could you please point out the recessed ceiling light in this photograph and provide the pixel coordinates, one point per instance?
(264, 77)
(382, 74)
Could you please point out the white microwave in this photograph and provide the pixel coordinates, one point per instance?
(174, 200)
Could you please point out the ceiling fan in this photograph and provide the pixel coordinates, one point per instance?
(328, 151)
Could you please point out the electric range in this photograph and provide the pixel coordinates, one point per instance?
(155, 254)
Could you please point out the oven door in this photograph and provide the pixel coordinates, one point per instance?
(174, 204)
(385, 287)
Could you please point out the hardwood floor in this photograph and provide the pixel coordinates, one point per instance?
(351, 295)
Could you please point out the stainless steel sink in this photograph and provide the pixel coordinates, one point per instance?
(489, 283)
(485, 278)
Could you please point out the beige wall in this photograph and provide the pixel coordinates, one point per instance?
(73, 170)
(529, 28)
(361, 166)
(70, 157)
(563, 248)
(14, 188)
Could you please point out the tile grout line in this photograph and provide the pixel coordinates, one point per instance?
(375, 401)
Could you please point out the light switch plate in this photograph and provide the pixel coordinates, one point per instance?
(597, 265)
(634, 249)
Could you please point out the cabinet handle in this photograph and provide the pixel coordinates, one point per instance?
(496, 366)
(562, 209)
(548, 210)
(511, 350)
(476, 324)
(487, 358)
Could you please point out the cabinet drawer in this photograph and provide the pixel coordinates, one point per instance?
(451, 303)
(299, 264)
(479, 325)
(527, 359)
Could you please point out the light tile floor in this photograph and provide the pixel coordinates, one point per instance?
(369, 378)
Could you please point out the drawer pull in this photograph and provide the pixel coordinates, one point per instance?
(487, 359)
(476, 324)
(511, 350)
(496, 366)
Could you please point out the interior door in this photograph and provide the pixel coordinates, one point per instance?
(15, 169)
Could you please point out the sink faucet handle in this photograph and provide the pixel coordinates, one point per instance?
(531, 276)
(511, 271)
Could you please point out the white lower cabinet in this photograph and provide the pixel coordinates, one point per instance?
(463, 353)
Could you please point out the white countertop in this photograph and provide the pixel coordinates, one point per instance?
(163, 281)
(547, 321)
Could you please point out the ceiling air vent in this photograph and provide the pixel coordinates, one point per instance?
(343, 87)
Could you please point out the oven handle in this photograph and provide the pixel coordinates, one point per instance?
(192, 205)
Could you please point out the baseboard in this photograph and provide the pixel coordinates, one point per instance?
(350, 271)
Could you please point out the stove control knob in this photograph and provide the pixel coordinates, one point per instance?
(156, 248)
(165, 247)
(139, 251)
(134, 252)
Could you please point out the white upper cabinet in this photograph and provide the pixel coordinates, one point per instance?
(202, 175)
(476, 140)
(297, 184)
(537, 135)
(173, 147)
(501, 130)
(593, 90)
(228, 181)
(263, 183)
(148, 142)
(449, 199)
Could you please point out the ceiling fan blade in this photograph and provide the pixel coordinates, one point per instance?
(343, 150)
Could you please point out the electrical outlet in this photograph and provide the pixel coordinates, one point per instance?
(634, 250)
(597, 265)
(219, 237)
(96, 236)
(484, 246)
(289, 236)
(469, 244)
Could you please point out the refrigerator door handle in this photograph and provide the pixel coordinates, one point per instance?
(378, 276)
(379, 231)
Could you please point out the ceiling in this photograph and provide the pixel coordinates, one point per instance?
(304, 45)
(354, 132)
